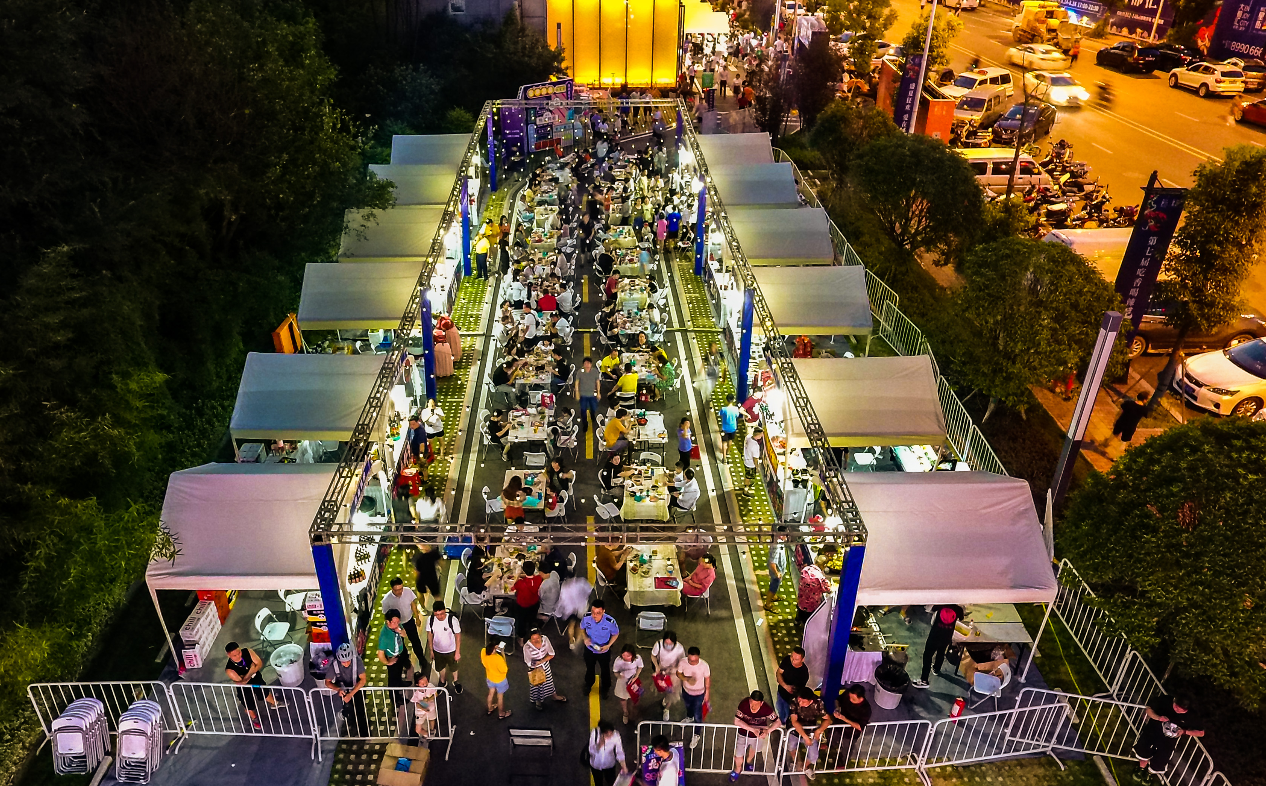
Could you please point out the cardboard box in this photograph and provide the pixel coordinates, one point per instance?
(418, 758)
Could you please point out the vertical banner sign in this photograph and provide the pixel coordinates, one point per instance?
(465, 199)
(492, 157)
(745, 345)
(680, 130)
(1158, 218)
(331, 592)
(428, 344)
(845, 608)
(1108, 330)
(701, 234)
(908, 93)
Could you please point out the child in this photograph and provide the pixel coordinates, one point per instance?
(425, 714)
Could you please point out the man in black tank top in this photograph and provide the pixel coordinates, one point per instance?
(243, 668)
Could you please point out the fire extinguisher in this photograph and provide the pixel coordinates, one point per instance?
(957, 708)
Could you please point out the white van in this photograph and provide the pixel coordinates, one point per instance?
(992, 167)
(1104, 248)
(976, 78)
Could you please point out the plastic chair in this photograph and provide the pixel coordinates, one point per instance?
(653, 621)
(650, 459)
(572, 559)
(600, 582)
(491, 506)
(705, 599)
(465, 559)
(272, 633)
(560, 509)
(501, 628)
(989, 686)
(678, 514)
(534, 460)
(608, 511)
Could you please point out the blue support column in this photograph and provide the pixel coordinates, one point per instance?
(428, 344)
(680, 131)
(845, 608)
(745, 347)
(465, 199)
(492, 157)
(331, 592)
(700, 233)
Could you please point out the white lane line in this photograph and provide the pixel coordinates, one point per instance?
(1101, 147)
(679, 298)
(1170, 182)
(1188, 117)
(1255, 142)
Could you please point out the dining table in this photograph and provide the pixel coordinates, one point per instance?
(652, 433)
(645, 495)
(654, 577)
(632, 294)
(643, 365)
(991, 623)
(628, 262)
(527, 425)
(621, 237)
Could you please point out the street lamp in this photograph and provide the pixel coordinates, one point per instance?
(923, 70)
(1019, 135)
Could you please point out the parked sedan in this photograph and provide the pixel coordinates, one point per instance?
(1058, 88)
(1044, 56)
(1254, 113)
(1037, 122)
(1230, 382)
(1154, 335)
(1254, 72)
(1206, 78)
(1127, 56)
(1171, 56)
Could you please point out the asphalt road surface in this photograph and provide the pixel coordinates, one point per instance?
(1149, 126)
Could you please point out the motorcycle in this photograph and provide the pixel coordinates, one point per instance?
(1123, 216)
(1105, 95)
(1093, 212)
(967, 135)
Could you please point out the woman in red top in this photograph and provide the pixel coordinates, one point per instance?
(701, 578)
(512, 497)
(527, 600)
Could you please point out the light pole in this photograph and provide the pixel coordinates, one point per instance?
(923, 69)
(1019, 134)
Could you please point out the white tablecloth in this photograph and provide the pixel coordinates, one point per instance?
(860, 666)
(646, 510)
(641, 588)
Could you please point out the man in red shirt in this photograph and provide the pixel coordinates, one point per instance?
(755, 719)
(613, 284)
(527, 600)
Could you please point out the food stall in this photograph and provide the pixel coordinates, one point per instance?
(356, 297)
(746, 149)
(419, 184)
(442, 149)
(772, 185)
(778, 236)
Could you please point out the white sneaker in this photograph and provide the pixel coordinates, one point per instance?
(665, 713)
(695, 742)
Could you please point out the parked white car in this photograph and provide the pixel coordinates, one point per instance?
(1041, 56)
(968, 81)
(1229, 382)
(1055, 87)
(966, 5)
(1206, 78)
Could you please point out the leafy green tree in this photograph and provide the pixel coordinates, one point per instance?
(773, 99)
(868, 20)
(1222, 235)
(1171, 541)
(818, 71)
(923, 193)
(944, 30)
(1035, 310)
(844, 129)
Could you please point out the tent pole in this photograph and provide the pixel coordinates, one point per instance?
(153, 594)
(842, 624)
(1033, 648)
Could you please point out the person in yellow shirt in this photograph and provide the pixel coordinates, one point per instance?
(495, 673)
(615, 435)
(626, 385)
(610, 365)
(481, 255)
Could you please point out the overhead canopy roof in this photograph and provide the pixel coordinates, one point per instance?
(445, 149)
(701, 19)
(418, 184)
(871, 401)
(302, 396)
(729, 149)
(816, 301)
(390, 235)
(950, 537)
(241, 526)
(356, 297)
(755, 184)
(777, 236)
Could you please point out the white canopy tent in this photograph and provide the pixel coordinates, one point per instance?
(776, 236)
(418, 184)
(241, 527)
(755, 184)
(356, 297)
(816, 301)
(445, 149)
(295, 397)
(871, 401)
(391, 235)
(730, 149)
(700, 19)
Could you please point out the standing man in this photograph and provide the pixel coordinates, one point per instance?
(1131, 413)
(482, 246)
(443, 635)
(854, 710)
(939, 638)
(426, 566)
(1169, 719)
(755, 719)
(391, 651)
(404, 602)
(729, 426)
(243, 668)
(723, 76)
(696, 689)
(777, 563)
(792, 676)
(752, 445)
(587, 390)
(809, 722)
(669, 764)
(345, 676)
(599, 631)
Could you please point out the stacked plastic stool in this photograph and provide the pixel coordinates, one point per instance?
(140, 742)
(81, 738)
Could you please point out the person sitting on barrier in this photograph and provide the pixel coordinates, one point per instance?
(755, 720)
(243, 668)
(853, 708)
(809, 721)
(345, 676)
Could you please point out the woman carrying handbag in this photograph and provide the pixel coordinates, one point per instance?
(537, 653)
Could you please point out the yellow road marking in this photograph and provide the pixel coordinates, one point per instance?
(595, 707)
(588, 442)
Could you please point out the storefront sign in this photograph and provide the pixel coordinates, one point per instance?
(908, 93)
(1148, 20)
(1240, 29)
(558, 90)
(1149, 243)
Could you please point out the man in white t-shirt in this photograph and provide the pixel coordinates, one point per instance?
(696, 688)
(404, 600)
(751, 457)
(669, 766)
(530, 325)
(443, 634)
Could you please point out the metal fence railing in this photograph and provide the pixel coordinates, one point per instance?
(989, 736)
(220, 708)
(1088, 624)
(384, 714)
(50, 699)
(891, 745)
(717, 746)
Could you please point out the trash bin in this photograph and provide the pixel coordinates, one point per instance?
(891, 680)
(287, 660)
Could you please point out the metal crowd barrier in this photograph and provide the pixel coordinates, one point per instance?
(716, 748)
(220, 709)
(1107, 652)
(381, 714)
(988, 736)
(890, 745)
(50, 699)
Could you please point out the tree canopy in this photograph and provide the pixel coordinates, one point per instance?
(844, 129)
(818, 71)
(944, 30)
(1035, 309)
(867, 20)
(1171, 541)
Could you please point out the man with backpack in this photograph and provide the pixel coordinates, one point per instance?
(443, 636)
